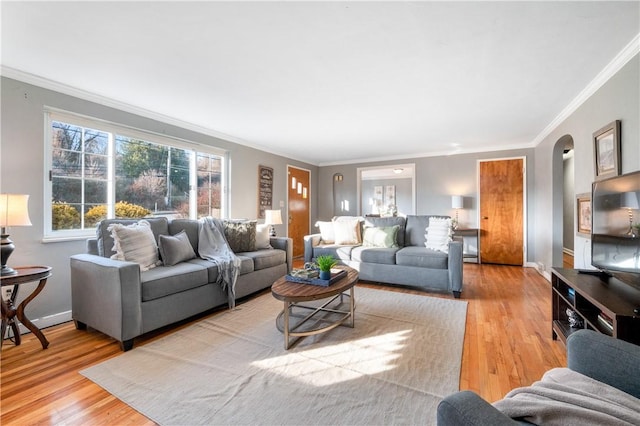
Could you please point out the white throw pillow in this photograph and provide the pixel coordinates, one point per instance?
(135, 243)
(326, 232)
(263, 239)
(438, 234)
(347, 232)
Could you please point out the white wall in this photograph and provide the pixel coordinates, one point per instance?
(22, 170)
(617, 99)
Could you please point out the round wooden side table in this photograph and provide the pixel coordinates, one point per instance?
(10, 313)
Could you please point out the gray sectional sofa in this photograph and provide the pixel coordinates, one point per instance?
(410, 263)
(117, 298)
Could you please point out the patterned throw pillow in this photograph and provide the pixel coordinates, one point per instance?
(135, 243)
(241, 235)
(438, 234)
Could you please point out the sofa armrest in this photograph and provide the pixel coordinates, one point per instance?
(106, 295)
(92, 246)
(286, 244)
(310, 241)
(603, 358)
(467, 408)
(455, 266)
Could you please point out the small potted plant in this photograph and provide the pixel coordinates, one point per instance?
(325, 263)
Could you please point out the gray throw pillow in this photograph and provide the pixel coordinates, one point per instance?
(175, 248)
(241, 235)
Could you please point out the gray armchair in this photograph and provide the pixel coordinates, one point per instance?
(603, 358)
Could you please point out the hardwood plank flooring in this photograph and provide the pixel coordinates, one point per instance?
(507, 344)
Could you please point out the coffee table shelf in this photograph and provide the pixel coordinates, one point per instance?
(299, 319)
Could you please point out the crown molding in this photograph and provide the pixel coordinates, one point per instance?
(65, 89)
(620, 60)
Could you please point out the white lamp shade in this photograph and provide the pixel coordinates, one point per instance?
(272, 217)
(14, 210)
(456, 201)
(629, 200)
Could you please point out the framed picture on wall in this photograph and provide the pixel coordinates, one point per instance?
(265, 190)
(606, 145)
(583, 212)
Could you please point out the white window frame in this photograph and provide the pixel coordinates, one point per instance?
(54, 114)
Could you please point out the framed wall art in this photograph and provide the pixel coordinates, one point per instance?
(583, 212)
(265, 190)
(606, 146)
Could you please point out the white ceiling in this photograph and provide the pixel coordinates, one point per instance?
(329, 82)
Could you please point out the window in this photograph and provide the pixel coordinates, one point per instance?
(99, 170)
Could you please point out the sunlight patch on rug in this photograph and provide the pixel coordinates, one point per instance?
(361, 357)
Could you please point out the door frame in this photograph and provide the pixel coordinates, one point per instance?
(286, 193)
(524, 201)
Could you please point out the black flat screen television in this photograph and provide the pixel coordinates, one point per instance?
(615, 242)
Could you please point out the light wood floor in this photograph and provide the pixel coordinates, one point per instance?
(507, 344)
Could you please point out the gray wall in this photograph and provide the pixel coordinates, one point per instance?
(403, 193)
(617, 99)
(569, 204)
(22, 170)
(437, 179)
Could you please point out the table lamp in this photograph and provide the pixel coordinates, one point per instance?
(456, 203)
(14, 211)
(629, 201)
(272, 217)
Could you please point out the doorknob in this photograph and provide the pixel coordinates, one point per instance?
(485, 217)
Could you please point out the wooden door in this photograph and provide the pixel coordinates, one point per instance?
(298, 214)
(501, 211)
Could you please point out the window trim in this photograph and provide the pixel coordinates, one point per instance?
(54, 114)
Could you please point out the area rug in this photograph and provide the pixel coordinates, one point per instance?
(394, 367)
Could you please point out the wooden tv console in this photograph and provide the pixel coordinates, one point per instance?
(591, 296)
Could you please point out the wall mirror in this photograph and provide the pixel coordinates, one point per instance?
(387, 190)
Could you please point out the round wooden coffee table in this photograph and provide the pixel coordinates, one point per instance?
(298, 320)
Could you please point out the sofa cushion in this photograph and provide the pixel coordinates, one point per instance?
(263, 259)
(378, 255)
(135, 243)
(191, 227)
(240, 234)
(384, 236)
(387, 222)
(422, 257)
(438, 234)
(175, 248)
(263, 237)
(166, 280)
(342, 253)
(326, 232)
(159, 226)
(246, 266)
(414, 231)
(347, 232)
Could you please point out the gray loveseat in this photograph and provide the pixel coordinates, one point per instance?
(117, 298)
(410, 263)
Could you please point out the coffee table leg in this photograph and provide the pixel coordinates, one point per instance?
(286, 326)
(352, 307)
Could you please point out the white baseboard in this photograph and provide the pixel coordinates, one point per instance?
(540, 268)
(43, 322)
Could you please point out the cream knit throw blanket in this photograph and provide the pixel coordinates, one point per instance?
(565, 397)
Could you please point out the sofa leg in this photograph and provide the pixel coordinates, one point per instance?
(126, 345)
(80, 325)
(456, 294)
